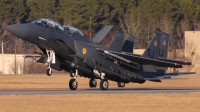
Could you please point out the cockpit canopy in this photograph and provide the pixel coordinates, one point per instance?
(52, 24)
(48, 23)
(72, 30)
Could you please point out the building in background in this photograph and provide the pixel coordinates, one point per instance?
(9, 63)
(192, 46)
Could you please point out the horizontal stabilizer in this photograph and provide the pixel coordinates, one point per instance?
(101, 34)
(155, 80)
(162, 78)
(178, 74)
(168, 76)
(176, 61)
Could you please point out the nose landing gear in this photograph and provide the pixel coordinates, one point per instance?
(51, 59)
(48, 71)
(72, 73)
(73, 84)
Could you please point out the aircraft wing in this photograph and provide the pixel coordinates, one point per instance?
(131, 54)
(175, 61)
(101, 34)
(141, 60)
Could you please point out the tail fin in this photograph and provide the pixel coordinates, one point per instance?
(163, 50)
(101, 34)
(129, 44)
(116, 44)
(153, 48)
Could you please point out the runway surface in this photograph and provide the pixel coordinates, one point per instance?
(54, 91)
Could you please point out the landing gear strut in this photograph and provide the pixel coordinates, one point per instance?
(72, 73)
(120, 84)
(73, 84)
(92, 82)
(51, 59)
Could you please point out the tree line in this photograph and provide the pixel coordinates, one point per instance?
(136, 17)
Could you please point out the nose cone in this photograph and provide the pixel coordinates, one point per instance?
(18, 30)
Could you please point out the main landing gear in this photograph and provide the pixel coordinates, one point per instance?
(51, 59)
(92, 83)
(73, 84)
(104, 84)
(120, 84)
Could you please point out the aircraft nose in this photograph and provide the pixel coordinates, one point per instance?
(18, 30)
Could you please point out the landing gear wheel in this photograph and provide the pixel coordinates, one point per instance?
(92, 83)
(73, 84)
(120, 84)
(72, 74)
(104, 84)
(48, 71)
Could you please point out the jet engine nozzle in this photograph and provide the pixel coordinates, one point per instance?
(18, 30)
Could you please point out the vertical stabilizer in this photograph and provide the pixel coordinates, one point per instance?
(153, 48)
(163, 51)
(116, 44)
(128, 44)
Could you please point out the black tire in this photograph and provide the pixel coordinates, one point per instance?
(48, 71)
(92, 83)
(120, 84)
(73, 84)
(72, 74)
(104, 84)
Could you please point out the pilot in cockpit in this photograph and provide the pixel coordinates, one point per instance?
(66, 29)
(44, 23)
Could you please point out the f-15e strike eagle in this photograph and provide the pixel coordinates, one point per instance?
(66, 48)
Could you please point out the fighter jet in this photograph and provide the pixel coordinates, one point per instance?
(66, 48)
(51, 38)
